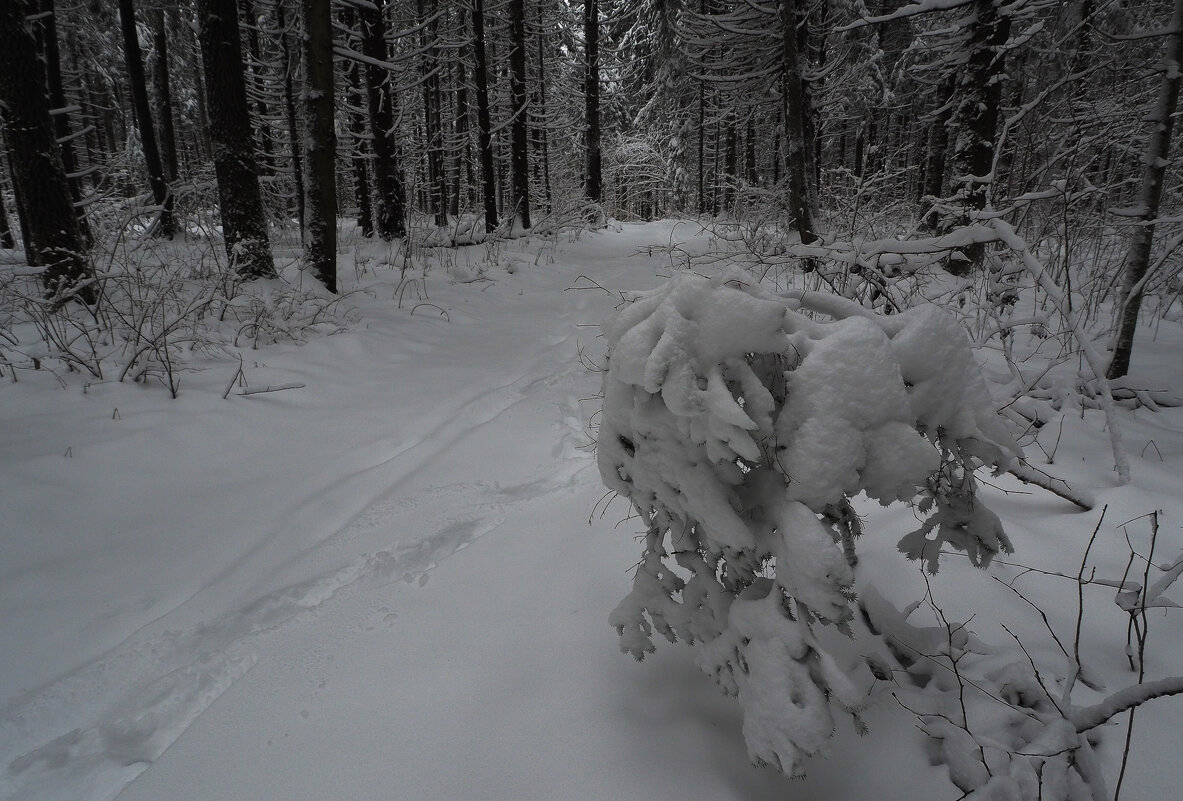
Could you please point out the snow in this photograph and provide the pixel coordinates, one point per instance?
(385, 584)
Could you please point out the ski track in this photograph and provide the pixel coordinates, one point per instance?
(88, 734)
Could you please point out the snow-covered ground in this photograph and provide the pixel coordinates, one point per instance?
(391, 584)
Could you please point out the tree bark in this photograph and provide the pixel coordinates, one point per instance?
(289, 107)
(161, 194)
(938, 146)
(543, 134)
(164, 97)
(796, 146)
(320, 228)
(484, 123)
(975, 120)
(519, 142)
(55, 238)
(1158, 149)
(262, 113)
(463, 158)
(47, 26)
(7, 241)
(594, 186)
(432, 116)
(18, 200)
(244, 225)
(380, 100)
(357, 132)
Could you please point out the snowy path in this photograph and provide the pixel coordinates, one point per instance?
(383, 585)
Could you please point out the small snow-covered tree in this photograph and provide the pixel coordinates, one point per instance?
(739, 427)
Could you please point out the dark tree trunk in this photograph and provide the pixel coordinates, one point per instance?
(702, 202)
(161, 194)
(796, 146)
(320, 228)
(357, 132)
(22, 211)
(164, 97)
(289, 107)
(979, 95)
(519, 141)
(730, 164)
(484, 124)
(55, 239)
(6, 239)
(244, 225)
(543, 120)
(938, 146)
(204, 145)
(749, 156)
(1158, 150)
(432, 118)
(380, 100)
(463, 159)
(591, 94)
(254, 68)
(47, 28)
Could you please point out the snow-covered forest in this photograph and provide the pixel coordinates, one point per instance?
(381, 381)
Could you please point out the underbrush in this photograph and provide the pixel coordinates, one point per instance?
(159, 306)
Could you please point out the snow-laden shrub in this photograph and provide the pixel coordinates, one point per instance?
(739, 428)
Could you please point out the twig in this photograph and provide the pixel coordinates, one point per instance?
(1057, 486)
(277, 388)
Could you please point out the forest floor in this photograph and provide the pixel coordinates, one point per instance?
(393, 581)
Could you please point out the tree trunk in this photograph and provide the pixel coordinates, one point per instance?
(55, 238)
(979, 95)
(1158, 149)
(289, 108)
(161, 194)
(730, 165)
(432, 118)
(701, 204)
(796, 146)
(262, 113)
(543, 113)
(320, 229)
(160, 80)
(519, 142)
(47, 27)
(594, 186)
(938, 145)
(380, 100)
(7, 241)
(484, 124)
(461, 160)
(18, 200)
(240, 201)
(357, 132)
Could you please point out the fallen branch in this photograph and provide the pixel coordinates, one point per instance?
(276, 388)
(1057, 486)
